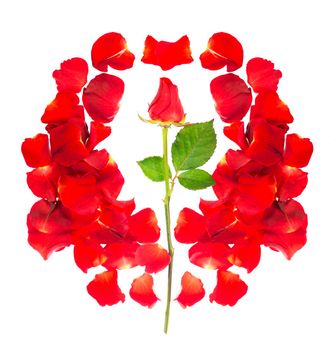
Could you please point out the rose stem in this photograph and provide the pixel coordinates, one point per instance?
(167, 217)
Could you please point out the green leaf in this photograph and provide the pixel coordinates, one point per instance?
(196, 179)
(194, 146)
(152, 167)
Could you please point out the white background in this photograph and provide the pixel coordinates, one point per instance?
(289, 305)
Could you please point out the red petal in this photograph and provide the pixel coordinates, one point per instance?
(236, 133)
(110, 182)
(43, 182)
(261, 75)
(102, 96)
(142, 291)
(166, 106)
(120, 255)
(190, 227)
(210, 255)
(292, 182)
(246, 253)
(96, 160)
(49, 218)
(46, 244)
(266, 142)
(111, 50)
(192, 290)
(98, 133)
(167, 54)
(285, 227)
(153, 257)
(62, 108)
(232, 97)
(223, 50)
(104, 288)
(225, 179)
(269, 107)
(67, 146)
(88, 254)
(143, 226)
(36, 151)
(298, 151)
(72, 76)
(229, 289)
(79, 194)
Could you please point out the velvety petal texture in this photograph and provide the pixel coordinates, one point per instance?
(166, 54)
(142, 291)
(192, 290)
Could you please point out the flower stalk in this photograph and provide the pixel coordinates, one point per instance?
(168, 193)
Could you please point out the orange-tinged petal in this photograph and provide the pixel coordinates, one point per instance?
(192, 290)
(142, 291)
(104, 288)
(72, 75)
(120, 255)
(229, 289)
(154, 257)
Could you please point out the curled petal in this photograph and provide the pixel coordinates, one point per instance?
(229, 289)
(79, 194)
(36, 151)
(153, 257)
(104, 288)
(223, 50)
(120, 255)
(232, 97)
(236, 133)
(102, 96)
(190, 227)
(298, 151)
(167, 54)
(166, 106)
(261, 75)
(111, 50)
(88, 254)
(210, 255)
(143, 226)
(269, 107)
(192, 290)
(98, 133)
(142, 291)
(72, 75)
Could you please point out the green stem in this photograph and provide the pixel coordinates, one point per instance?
(168, 194)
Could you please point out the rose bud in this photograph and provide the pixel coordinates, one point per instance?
(166, 106)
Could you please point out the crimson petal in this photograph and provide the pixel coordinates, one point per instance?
(102, 96)
(232, 97)
(36, 151)
(298, 151)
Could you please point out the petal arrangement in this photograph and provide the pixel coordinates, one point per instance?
(255, 184)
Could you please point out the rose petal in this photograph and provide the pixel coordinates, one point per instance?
(98, 133)
(236, 133)
(143, 226)
(72, 75)
(153, 257)
(232, 97)
(229, 289)
(36, 151)
(120, 255)
(192, 290)
(102, 96)
(246, 253)
(261, 75)
(190, 227)
(88, 254)
(210, 255)
(142, 291)
(167, 54)
(111, 50)
(298, 151)
(223, 50)
(104, 288)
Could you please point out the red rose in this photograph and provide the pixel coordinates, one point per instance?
(166, 106)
